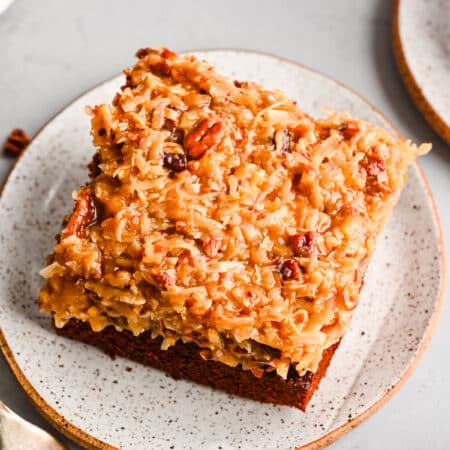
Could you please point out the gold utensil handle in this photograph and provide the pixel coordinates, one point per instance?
(18, 434)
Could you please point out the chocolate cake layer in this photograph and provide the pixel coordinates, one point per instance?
(182, 361)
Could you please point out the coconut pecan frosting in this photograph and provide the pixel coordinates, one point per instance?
(220, 213)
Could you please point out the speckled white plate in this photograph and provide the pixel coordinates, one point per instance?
(421, 35)
(103, 403)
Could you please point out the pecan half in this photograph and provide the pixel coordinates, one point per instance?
(84, 214)
(289, 269)
(16, 142)
(205, 136)
(303, 244)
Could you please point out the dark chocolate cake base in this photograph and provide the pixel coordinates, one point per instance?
(183, 361)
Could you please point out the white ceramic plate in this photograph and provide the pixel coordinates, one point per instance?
(422, 47)
(95, 400)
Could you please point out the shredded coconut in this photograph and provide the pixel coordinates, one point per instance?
(220, 213)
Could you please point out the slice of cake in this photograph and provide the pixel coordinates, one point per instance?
(224, 234)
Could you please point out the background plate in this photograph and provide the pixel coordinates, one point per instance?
(95, 400)
(421, 39)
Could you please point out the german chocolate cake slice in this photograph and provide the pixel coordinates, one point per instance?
(225, 233)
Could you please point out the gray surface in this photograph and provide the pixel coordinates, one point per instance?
(51, 51)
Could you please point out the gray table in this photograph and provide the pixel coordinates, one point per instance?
(51, 51)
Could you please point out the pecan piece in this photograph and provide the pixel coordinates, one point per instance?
(207, 134)
(84, 214)
(289, 269)
(169, 54)
(169, 125)
(298, 132)
(303, 244)
(374, 165)
(176, 162)
(323, 132)
(348, 130)
(164, 52)
(143, 52)
(16, 142)
(160, 67)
